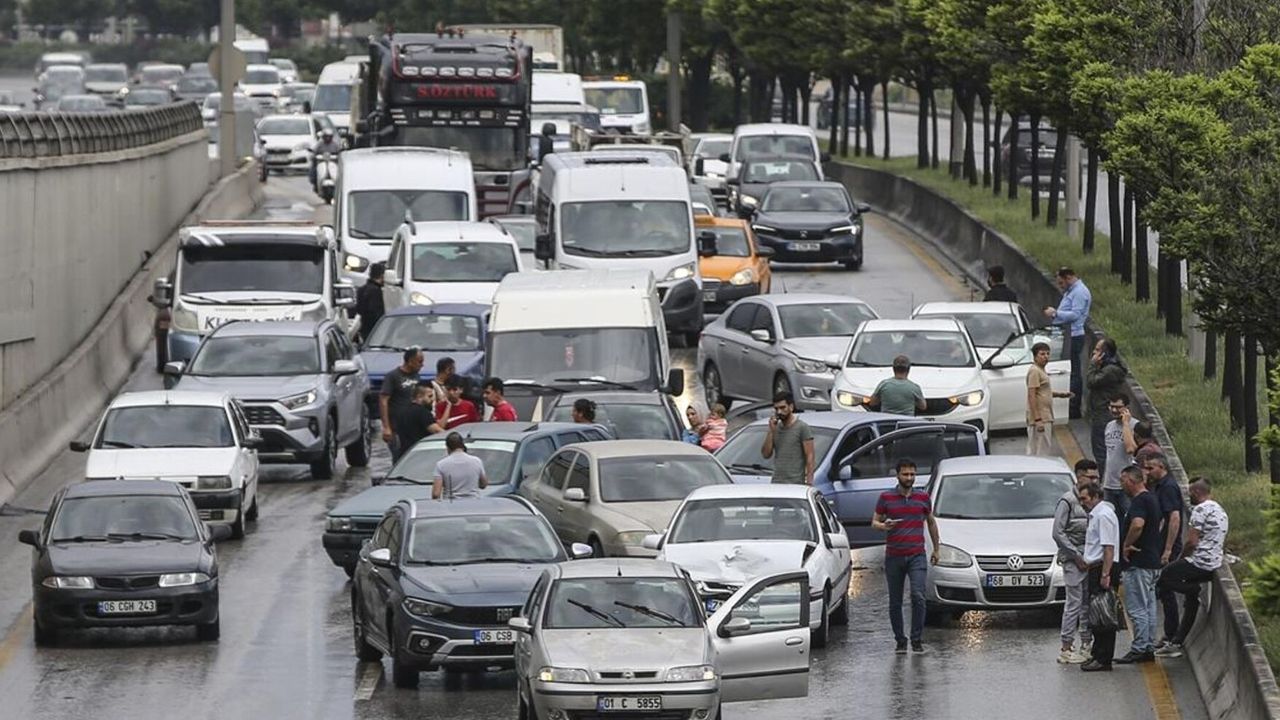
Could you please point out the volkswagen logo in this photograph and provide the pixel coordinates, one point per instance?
(505, 613)
(1014, 562)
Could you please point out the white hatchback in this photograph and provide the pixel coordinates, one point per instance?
(199, 440)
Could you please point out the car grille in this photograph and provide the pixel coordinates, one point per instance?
(137, 582)
(1000, 563)
(937, 406)
(708, 284)
(482, 615)
(642, 715)
(364, 527)
(786, 234)
(1015, 595)
(618, 676)
(262, 415)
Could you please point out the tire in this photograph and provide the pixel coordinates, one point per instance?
(358, 452)
(402, 674)
(209, 632)
(781, 384)
(237, 527)
(712, 387)
(43, 636)
(840, 616)
(819, 637)
(364, 651)
(597, 549)
(252, 513)
(322, 467)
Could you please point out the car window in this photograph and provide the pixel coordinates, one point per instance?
(533, 605)
(240, 422)
(1018, 349)
(382, 533)
(332, 350)
(758, 518)
(594, 435)
(924, 448)
(394, 537)
(107, 515)
(741, 317)
(774, 607)
(534, 456)
(853, 440)
(602, 603)
(763, 320)
(627, 421)
(741, 455)
(1001, 496)
(569, 438)
(579, 474)
(650, 479)
(556, 471)
(824, 520)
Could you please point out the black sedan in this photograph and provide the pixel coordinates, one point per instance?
(121, 553)
(811, 222)
(756, 174)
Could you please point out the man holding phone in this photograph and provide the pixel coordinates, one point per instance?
(903, 513)
(789, 442)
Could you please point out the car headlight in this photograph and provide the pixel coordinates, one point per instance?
(356, 263)
(690, 673)
(850, 229)
(716, 175)
(68, 582)
(425, 608)
(182, 579)
(316, 314)
(635, 538)
(851, 399)
(680, 273)
(969, 398)
(296, 401)
(641, 127)
(124, 91)
(953, 557)
(418, 298)
(184, 319)
(805, 365)
(745, 276)
(764, 229)
(338, 524)
(564, 675)
(213, 482)
(748, 201)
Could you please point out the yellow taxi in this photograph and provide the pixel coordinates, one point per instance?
(739, 268)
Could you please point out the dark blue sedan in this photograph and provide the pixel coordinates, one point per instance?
(447, 330)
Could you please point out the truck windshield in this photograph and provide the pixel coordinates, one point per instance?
(620, 355)
(332, 98)
(236, 268)
(491, 148)
(616, 100)
(624, 228)
(377, 213)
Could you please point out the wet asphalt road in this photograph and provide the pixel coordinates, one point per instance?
(286, 652)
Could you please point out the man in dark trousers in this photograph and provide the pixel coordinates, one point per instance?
(396, 397)
(1173, 515)
(369, 303)
(997, 291)
(1101, 556)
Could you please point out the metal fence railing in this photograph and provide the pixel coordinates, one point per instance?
(54, 134)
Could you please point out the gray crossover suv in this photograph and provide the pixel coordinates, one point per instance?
(301, 384)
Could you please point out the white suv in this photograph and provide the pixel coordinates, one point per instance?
(199, 440)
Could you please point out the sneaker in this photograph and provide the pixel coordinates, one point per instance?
(1136, 657)
(1169, 650)
(917, 647)
(1086, 648)
(1095, 666)
(1160, 645)
(1065, 657)
(1080, 656)
(902, 647)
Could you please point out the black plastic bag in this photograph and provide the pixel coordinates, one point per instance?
(1104, 611)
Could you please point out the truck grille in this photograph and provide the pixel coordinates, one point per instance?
(937, 406)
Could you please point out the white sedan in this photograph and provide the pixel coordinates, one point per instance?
(725, 536)
(288, 140)
(990, 324)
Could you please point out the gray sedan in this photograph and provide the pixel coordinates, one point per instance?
(773, 343)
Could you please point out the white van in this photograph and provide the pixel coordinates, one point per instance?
(448, 262)
(623, 103)
(545, 329)
(772, 139)
(378, 186)
(626, 211)
(333, 94)
(559, 88)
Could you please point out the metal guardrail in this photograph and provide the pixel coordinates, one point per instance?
(54, 134)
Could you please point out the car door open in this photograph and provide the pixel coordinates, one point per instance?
(1005, 373)
(761, 636)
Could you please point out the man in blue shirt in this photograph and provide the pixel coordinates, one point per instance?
(1072, 313)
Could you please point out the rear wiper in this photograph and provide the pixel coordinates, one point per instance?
(597, 381)
(592, 611)
(145, 536)
(117, 444)
(650, 612)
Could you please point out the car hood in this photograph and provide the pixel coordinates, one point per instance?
(124, 558)
(626, 649)
(374, 501)
(253, 388)
(457, 292)
(803, 220)
(275, 142)
(999, 537)
(718, 167)
(818, 348)
(723, 267)
(736, 561)
(481, 584)
(636, 516)
(935, 382)
(160, 462)
(381, 362)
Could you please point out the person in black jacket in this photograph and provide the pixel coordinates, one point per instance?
(997, 291)
(369, 303)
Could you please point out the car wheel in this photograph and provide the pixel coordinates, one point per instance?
(597, 550)
(840, 616)
(364, 651)
(44, 636)
(820, 636)
(252, 513)
(712, 390)
(208, 632)
(237, 527)
(359, 451)
(781, 384)
(322, 468)
(403, 675)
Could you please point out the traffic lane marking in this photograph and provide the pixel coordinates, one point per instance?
(369, 678)
(18, 633)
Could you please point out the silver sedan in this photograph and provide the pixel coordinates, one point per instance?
(780, 342)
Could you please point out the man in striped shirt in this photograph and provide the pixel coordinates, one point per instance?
(903, 513)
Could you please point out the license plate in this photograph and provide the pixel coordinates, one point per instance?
(623, 703)
(1013, 581)
(806, 247)
(126, 607)
(495, 637)
(709, 295)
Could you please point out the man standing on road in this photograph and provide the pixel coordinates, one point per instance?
(1040, 395)
(503, 411)
(1105, 380)
(445, 368)
(1070, 523)
(1172, 511)
(1101, 542)
(370, 306)
(457, 474)
(791, 440)
(897, 394)
(997, 291)
(1141, 565)
(396, 396)
(903, 513)
(1202, 555)
(1116, 456)
(1072, 314)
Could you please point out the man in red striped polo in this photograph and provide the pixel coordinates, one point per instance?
(903, 513)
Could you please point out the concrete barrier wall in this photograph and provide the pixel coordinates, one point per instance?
(36, 426)
(1230, 666)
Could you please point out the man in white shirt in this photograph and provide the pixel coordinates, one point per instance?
(1201, 556)
(458, 474)
(1101, 545)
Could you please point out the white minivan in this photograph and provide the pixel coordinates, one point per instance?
(623, 104)
(333, 94)
(378, 187)
(772, 139)
(626, 211)
(448, 262)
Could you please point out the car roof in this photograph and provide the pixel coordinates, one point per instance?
(781, 299)
(1001, 463)
(602, 449)
(773, 129)
(450, 231)
(150, 398)
(483, 505)
(270, 328)
(512, 430)
(100, 488)
(720, 222)
(914, 324)
(752, 490)
(966, 308)
(618, 567)
(470, 309)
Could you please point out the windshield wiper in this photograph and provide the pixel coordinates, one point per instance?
(751, 467)
(383, 347)
(577, 249)
(859, 363)
(272, 301)
(643, 610)
(533, 384)
(81, 539)
(652, 252)
(596, 613)
(118, 444)
(363, 234)
(205, 298)
(403, 479)
(597, 381)
(146, 536)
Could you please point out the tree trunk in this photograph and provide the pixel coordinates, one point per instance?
(997, 170)
(1013, 156)
(986, 143)
(845, 83)
(738, 77)
(884, 103)
(856, 121)
(1141, 256)
(922, 131)
(1162, 282)
(970, 152)
(933, 110)
(1115, 222)
(833, 139)
(1210, 354)
(1035, 166)
(868, 113)
(1126, 249)
(1091, 202)
(1231, 382)
(1273, 455)
(806, 92)
(1252, 451)
(1055, 182)
(699, 92)
(1173, 299)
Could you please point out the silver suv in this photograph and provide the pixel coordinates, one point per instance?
(628, 636)
(301, 384)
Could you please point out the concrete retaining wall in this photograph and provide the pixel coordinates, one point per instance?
(1230, 666)
(38, 425)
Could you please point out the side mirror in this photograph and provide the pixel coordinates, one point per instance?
(735, 626)
(78, 446)
(845, 473)
(344, 295)
(765, 252)
(580, 551)
(706, 243)
(699, 164)
(652, 542)
(391, 277)
(218, 533)
(543, 248)
(575, 495)
(172, 373)
(520, 624)
(380, 557)
(162, 293)
(999, 362)
(345, 367)
(29, 537)
(824, 157)
(863, 208)
(675, 381)
(762, 335)
(838, 540)
(724, 158)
